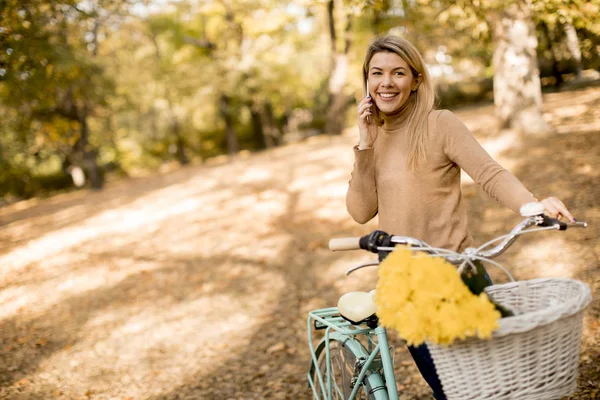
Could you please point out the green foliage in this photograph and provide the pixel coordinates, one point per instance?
(51, 81)
(552, 18)
(148, 81)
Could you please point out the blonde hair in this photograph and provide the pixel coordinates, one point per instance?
(417, 127)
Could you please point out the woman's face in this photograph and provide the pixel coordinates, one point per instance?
(390, 81)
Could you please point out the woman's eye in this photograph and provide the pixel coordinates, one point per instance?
(400, 73)
(376, 73)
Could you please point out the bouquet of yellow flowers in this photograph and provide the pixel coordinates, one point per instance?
(424, 298)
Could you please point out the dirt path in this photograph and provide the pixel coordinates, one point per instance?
(196, 284)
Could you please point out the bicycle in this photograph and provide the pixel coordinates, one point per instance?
(354, 359)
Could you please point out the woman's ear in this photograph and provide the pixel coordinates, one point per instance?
(417, 82)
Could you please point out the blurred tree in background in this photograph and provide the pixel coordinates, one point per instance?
(117, 87)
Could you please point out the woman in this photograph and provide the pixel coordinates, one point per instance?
(408, 161)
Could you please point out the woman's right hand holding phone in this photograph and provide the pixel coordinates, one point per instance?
(366, 124)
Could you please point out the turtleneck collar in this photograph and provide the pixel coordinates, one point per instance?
(396, 120)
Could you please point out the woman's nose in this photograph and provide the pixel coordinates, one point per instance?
(387, 80)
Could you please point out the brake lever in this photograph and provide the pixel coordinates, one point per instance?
(545, 220)
(367, 264)
(374, 240)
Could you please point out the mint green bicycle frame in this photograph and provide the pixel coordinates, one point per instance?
(338, 329)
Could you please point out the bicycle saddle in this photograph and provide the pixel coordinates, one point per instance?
(357, 307)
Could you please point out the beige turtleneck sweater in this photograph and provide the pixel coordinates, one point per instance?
(427, 204)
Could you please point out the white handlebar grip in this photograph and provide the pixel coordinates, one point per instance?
(350, 243)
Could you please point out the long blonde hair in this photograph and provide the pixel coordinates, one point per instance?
(417, 127)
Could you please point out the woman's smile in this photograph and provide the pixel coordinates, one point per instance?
(387, 96)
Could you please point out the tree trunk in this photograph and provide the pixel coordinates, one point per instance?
(258, 133)
(175, 128)
(517, 88)
(89, 155)
(338, 100)
(551, 39)
(176, 132)
(272, 133)
(90, 163)
(573, 45)
(230, 134)
(331, 20)
(179, 142)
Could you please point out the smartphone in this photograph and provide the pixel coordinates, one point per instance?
(367, 95)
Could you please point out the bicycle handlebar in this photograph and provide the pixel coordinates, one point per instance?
(378, 241)
(347, 243)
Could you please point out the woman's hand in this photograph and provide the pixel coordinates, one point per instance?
(556, 209)
(366, 124)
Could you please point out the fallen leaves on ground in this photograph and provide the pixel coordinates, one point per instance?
(196, 284)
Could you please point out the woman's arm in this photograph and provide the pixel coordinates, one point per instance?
(361, 198)
(464, 150)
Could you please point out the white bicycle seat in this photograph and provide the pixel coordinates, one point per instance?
(357, 306)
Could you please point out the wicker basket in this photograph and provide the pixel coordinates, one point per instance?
(533, 355)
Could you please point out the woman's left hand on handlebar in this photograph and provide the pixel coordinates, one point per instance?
(556, 209)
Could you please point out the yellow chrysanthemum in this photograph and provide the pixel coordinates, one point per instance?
(424, 298)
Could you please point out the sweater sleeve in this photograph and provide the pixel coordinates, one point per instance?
(361, 198)
(463, 149)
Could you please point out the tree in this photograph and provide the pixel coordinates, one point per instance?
(256, 69)
(559, 22)
(52, 79)
(338, 76)
(517, 86)
(166, 73)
